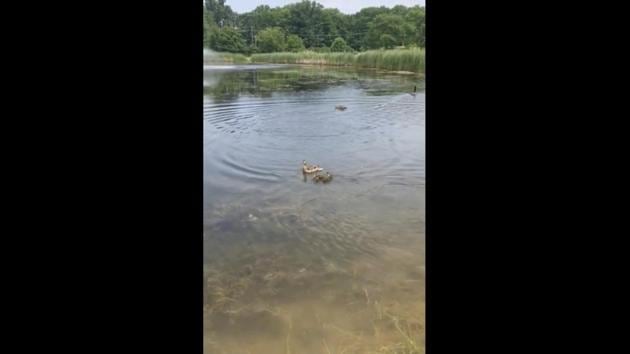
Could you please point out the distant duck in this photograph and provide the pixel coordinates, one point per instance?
(340, 107)
(306, 168)
(323, 178)
(414, 91)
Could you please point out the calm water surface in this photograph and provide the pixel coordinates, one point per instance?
(292, 266)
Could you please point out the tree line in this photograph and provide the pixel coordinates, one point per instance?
(308, 25)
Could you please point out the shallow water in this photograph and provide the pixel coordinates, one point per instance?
(293, 266)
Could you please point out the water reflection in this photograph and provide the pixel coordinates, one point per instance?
(224, 85)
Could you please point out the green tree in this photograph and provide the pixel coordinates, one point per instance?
(271, 40)
(316, 27)
(360, 25)
(386, 24)
(227, 39)
(209, 26)
(222, 14)
(400, 10)
(327, 27)
(338, 45)
(306, 19)
(206, 29)
(261, 18)
(387, 41)
(415, 17)
(294, 43)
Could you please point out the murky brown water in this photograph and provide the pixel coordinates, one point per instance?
(292, 266)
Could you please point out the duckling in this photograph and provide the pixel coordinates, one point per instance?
(327, 178)
(306, 168)
(323, 178)
(340, 107)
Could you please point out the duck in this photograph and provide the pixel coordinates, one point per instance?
(414, 91)
(306, 168)
(340, 107)
(323, 178)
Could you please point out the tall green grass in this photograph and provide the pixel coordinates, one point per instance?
(305, 57)
(393, 59)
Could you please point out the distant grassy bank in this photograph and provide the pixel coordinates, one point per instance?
(394, 59)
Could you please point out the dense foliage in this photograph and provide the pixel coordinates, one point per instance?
(307, 24)
(271, 39)
(294, 43)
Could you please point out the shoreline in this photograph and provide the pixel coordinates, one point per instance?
(308, 64)
(401, 61)
(316, 64)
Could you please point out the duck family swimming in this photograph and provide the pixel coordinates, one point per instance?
(322, 178)
(308, 169)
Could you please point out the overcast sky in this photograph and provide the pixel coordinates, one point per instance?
(345, 6)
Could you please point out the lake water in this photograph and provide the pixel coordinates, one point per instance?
(293, 266)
